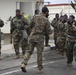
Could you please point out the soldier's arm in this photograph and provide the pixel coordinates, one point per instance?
(53, 23)
(32, 24)
(66, 29)
(26, 26)
(12, 26)
(11, 30)
(25, 23)
(48, 28)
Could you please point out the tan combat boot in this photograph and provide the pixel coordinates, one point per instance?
(69, 64)
(23, 67)
(17, 57)
(40, 71)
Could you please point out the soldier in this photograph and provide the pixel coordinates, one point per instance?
(1, 25)
(71, 39)
(54, 25)
(46, 35)
(18, 24)
(46, 40)
(39, 24)
(61, 40)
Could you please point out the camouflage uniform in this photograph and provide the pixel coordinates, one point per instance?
(71, 42)
(54, 24)
(39, 24)
(61, 38)
(46, 40)
(1, 25)
(17, 27)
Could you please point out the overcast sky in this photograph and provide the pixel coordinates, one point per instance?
(58, 1)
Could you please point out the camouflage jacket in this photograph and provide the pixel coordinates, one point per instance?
(18, 23)
(39, 27)
(70, 30)
(61, 29)
(54, 24)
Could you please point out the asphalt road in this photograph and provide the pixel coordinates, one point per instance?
(50, 68)
(54, 64)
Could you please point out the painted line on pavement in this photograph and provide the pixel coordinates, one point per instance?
(27, 68)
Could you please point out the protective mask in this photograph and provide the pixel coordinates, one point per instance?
(47, 15)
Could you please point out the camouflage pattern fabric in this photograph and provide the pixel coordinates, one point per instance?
(71, 42)
(39, 25)
(54, 24)
(61, 38)
(17, 26)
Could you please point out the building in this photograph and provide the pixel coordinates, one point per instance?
(61, 9)
(7, 10)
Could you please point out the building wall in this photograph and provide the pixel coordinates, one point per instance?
(6, 39)
(27, 8)
(7, 9)
(61, 9)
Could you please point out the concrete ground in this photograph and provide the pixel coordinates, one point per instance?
(8, 55)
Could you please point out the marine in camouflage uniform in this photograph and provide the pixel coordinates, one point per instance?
(46, 35)
(54, 24)
(1, 25)
(71, 39)
(61, 40)
(39, 24)
(18, 25)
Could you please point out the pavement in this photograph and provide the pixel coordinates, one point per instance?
(54, 63)
(8, 55)
(8, 50)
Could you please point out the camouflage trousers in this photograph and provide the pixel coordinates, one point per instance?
(46, 39)
(19, 40)
(39, 44)
(55, 39)
(61, 44)
(71, 47)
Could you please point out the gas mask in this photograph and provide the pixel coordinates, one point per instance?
(47, 15)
